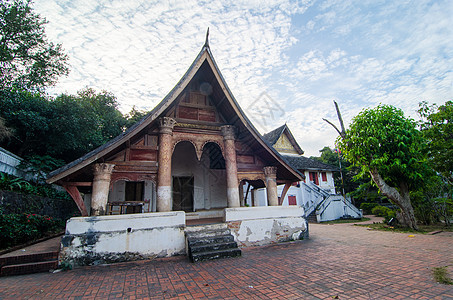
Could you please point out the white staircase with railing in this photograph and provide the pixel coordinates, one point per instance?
(326, 206)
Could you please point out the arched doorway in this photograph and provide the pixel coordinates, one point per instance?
(198, 185)
(248, 190)
(214, 175)
(184, 165)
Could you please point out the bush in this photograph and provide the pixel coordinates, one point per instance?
(20, 185)
(367, 207)
(16, 229)
(382, 211)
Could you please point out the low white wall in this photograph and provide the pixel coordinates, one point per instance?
(106, 239)
(255, 226)
(201, 214)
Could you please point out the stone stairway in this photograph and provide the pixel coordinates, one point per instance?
(211, 241)
(29, 263)
(311, 218)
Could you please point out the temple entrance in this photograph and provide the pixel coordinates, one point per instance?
(202, 183)
(183, 189)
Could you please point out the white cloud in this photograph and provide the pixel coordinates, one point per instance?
(138, 42)
(303, 54)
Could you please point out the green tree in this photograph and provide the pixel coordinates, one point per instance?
(29, 116)
(437, 127)
(27, 58)
(134, 116)
(89, 119)
(351, 180)
(64, 128)
(5, 132)
(387, 145)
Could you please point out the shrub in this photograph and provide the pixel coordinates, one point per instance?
(16, 229)
(382, 211)
(20, 185)
(367, 207)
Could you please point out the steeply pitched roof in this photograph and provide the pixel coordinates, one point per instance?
(233, 115)
(273, 136)
(305, 163)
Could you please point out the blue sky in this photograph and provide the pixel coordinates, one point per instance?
(300, 54)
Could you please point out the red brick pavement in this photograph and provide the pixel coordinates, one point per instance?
(347, 261)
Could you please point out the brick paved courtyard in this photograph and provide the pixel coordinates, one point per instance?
(344, 261)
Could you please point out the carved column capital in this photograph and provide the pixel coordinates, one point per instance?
(228, 132)
(103, 169)
(270, 171)
(166, 125)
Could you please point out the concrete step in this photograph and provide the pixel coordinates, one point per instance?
(28, 268)
(204, 227)
(208, 233)
(197, 241)
(28, 263)
(213, 247)
(215, 254)
(28, 258)
(312, 218)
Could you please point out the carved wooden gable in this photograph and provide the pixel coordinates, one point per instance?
(284, 145)
(195, 106)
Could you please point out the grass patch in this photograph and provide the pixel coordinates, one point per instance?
(346, 221)
(423, 229)
(441, 275)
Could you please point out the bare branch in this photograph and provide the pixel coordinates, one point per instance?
(340, 119)
(333, 125)
(341, 132)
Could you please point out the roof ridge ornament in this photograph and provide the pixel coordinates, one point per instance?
(206, 43)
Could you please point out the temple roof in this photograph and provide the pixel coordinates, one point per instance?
(305, 163)
(205, 69)
(273, 136)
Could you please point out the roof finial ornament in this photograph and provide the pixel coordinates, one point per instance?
(206, 44)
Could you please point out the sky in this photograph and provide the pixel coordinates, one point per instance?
(294, 57)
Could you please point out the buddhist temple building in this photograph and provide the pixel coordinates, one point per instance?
(184, 160)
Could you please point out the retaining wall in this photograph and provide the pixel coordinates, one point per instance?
(256, 226)
(107, 239)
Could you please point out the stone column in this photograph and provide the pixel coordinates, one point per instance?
(164, 195)
(241, 194)
(231, 166)
(101, 185)
(271, 185)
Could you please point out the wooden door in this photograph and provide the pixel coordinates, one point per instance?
(183, 193)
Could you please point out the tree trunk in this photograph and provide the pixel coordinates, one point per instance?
(402, 199)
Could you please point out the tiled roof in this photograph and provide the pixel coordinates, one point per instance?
(273, 136)
(305, 163)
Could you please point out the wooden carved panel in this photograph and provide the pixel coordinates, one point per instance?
(190, 113)
(206, 115)
(143, 155)
(245, 159)
(197, 98)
